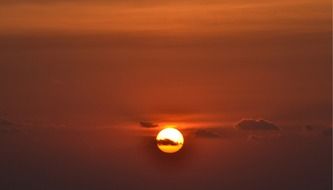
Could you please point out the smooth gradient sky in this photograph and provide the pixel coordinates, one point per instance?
(77, 77)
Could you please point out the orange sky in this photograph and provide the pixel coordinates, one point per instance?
(236, 59)
(165, 17)
(247, 82)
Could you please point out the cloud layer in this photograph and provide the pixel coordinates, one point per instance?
(256, 125)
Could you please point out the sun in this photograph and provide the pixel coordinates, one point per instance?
(170, 140)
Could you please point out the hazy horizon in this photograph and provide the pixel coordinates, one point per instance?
(248, 84)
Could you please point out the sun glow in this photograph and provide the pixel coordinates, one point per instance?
(170, 140)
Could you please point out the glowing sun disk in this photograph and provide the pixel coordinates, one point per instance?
(170, 140)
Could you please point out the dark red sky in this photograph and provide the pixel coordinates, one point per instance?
(77, 76)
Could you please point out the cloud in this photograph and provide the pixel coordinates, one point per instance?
(148, 124)
(309, 128)
(4, 122)
(313, 130)
(327, 132)
(7, 126)
(207, 133)
(167, 142)
(253, 138)
(256, 125)
(216, 132)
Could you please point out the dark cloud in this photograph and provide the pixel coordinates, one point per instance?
(315, 130)
(256, 125)
(4, 122)
(167, 142)
(148, 124)
(271, 137)
(216, 133)
(253, 138)
(7, 126)
(309, 128)
(207, 133)
(327, 132)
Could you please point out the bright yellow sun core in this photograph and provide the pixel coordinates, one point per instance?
(169, 140)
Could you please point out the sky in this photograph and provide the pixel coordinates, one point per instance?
(249, 84)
